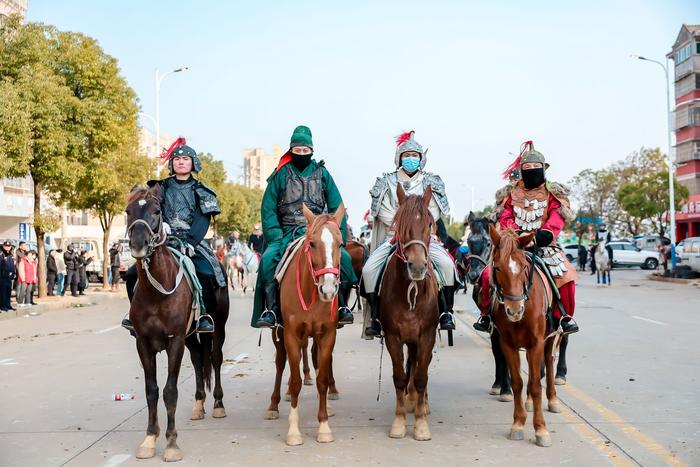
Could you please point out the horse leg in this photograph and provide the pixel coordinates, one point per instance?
(395, 349)
(273, 412)
(332, 390)
(534, 384)
(148, 361)
(560, 378)
(552, 401)
(502, 376)
(424, 354)
(495, 350)
(305, 359)
(519, 414)
(324, 344)
(217, 359)
(411, 393)
(293, 346)
(199, 395)
(175, 349)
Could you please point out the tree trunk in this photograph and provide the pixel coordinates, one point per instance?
(106, 221)
(41, 246)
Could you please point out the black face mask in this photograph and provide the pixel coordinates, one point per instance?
(301, 161)
(532, 178)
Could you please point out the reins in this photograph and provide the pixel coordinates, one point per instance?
(526, 286)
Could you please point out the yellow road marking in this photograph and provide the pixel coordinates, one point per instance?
(647, 442)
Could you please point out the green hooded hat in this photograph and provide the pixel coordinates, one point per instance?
(301, 137)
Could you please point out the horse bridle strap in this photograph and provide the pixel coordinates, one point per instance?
(315, 274)
(401, 247)
(526, 287)
(155, 239)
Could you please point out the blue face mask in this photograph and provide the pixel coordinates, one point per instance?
(410, 164)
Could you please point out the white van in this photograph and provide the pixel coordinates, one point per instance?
(93, 247)
(690, 255)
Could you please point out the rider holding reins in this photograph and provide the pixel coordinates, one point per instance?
(187, 209)
(533, 204)
(410, 160)
(298, 180)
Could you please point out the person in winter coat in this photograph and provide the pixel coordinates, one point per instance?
(115, 263)
(8, 273)
(61, 275)
(51, 272)
(71, 271)
(27, 279)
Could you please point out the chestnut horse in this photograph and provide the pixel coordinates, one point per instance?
(309, 308)
(409, 316)
(523, 296)
(162, 314)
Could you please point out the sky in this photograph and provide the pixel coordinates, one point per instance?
(473, 79)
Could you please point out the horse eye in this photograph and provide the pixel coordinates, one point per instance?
(312, 244)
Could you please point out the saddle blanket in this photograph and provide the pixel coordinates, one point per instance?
(289, 253)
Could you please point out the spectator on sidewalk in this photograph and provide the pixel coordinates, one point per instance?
(115, 264)
(20, 253)
(27, 279)
(84, 259)
(51, 272)
(8, 273)
(61, 275)
(72, 272)
(582, 257)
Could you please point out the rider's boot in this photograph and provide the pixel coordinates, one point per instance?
(271, 315)
(344, 313)
(446, 302)
(484, 323)
(374, 329)
(568, 325)
(130, 285)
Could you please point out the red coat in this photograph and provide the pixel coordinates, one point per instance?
(554, 222)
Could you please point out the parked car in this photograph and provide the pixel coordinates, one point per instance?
(690, 252)
(125, 258)
(627, 254)
(571, 252)
(650, 242)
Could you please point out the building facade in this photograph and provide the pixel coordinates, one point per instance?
(685, 54)
(258, 166)
(12, 7)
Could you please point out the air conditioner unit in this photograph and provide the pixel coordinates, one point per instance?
(696, 154)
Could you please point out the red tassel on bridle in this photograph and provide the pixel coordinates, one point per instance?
(168, 153)
(527, 145)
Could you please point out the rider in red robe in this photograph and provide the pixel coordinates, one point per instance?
(533, 204)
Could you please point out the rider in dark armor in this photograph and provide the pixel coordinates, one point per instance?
(188, 207)
(298, 180)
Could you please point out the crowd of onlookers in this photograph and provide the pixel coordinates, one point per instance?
(19, 272)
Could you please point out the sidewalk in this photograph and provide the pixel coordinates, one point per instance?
(93, 295)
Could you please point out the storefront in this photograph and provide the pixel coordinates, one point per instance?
(688, 219)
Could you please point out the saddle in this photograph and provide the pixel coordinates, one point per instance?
(289, 253)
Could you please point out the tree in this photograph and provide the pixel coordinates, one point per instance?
(456, 230)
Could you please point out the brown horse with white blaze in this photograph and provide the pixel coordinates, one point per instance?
(409, 316)
(308, 294)
(523, 297)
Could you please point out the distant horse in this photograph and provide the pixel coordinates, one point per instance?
(602, 263)
(242, 265)
(409, 316)
(309, 309)
(523, 296)
(474, 263)
(163, 316)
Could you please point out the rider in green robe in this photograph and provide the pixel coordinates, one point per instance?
(298, 180)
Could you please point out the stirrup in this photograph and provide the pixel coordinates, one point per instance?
(571, 318)
(451, 327)
(374, 332)
(263, 323)
(201, 320)
(348, 312)
(128, 325)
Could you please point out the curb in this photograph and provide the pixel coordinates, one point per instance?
(92, 297)
(675, 280)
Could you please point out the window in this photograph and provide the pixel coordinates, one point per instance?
(697, 48)
(683, 54)
(616, 246)
(630, 247)
(77, 218)
(695, 247)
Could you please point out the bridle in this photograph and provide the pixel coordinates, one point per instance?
(401, 248)
(526, 286)
(399, 252)
(315, 273)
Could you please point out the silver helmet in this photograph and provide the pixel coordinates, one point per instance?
(406, 143)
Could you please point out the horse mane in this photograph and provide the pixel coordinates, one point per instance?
(412, 208)
(508, 247)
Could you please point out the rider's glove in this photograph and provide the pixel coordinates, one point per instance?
(543, 238)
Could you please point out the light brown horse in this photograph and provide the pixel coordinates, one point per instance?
(310, 309)
(162, 315)
(523, 297)
(409, 311)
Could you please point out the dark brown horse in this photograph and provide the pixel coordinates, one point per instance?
(409, 304)
(163, 317)
(523, 296)
(309, 309)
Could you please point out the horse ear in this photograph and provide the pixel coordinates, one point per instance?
(157, 191)
(427, 196)
(310, 217)
(495, 235)
(470, 218)
(400, 193)
(339, 213)
(525, 239)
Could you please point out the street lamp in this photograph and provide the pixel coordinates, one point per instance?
(159, 79)
(671, 190)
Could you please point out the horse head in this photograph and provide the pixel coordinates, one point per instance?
(322, 249)
(479, 244)
(144, 220)
(511, 273)
(413, 224)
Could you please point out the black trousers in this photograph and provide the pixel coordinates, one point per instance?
(5, 293)
(72, 277)
(51, 282)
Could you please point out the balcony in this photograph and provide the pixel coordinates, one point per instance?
(688, 66)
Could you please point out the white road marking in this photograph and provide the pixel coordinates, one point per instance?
(112, 328)
(8, 361)
(649, 320)
(117, 459)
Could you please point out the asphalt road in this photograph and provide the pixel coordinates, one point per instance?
(631, 398)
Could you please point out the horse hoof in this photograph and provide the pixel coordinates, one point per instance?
(516, 435)
(308, 382)
(145, 452)
(495, 390)
(554, 407)
(325, 437)
(197, 415)
(334, 396)
(198, 410)
(421, 432)
(219, 412)
(528, 406)
(294, 440)
(560, 380)
(506, 397)
(172, 454)
(272, 415)
(543, 440)
(288, 397)
(397, 431)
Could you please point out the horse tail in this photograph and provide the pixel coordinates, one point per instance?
(206, 342)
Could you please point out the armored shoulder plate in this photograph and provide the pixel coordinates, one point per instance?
(380, 188)
(501, 196)
(207, 200)
(439, 193)
(561, 193)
